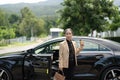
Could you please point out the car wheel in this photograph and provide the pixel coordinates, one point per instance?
(111, 74)
(4, 74)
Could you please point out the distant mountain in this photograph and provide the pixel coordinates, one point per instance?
(51, 2)
(48, 7)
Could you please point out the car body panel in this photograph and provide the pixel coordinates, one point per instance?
(14, 64)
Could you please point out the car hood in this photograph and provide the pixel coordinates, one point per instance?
(12, 54)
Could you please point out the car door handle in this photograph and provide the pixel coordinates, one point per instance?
(99, 56)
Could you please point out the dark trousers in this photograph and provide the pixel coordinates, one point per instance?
(68, 72)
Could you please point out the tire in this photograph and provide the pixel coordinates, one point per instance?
(112, 73)
(5, 74)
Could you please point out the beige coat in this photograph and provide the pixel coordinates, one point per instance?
(64, 54)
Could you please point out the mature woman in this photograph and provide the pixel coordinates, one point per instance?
(67, 54)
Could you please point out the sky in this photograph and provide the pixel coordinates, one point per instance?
(19, 1)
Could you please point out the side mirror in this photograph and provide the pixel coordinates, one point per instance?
(31, 51)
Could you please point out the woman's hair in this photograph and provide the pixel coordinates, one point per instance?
(67, 30)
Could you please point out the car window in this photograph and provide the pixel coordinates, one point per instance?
(55, 46)
(92, 46)
(102, 48)
(49, 48)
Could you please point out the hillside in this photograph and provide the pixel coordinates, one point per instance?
(48, 7)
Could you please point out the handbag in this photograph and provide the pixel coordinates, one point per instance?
(59, 76)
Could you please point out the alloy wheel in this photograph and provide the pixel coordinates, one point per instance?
(3, 74)
(113, 74)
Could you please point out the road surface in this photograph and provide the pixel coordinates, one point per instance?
(19, 48)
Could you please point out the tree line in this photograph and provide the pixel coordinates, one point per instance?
(85, 16)
(26, 24)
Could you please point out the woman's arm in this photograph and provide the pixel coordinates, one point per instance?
(60, 57)
(80, 48)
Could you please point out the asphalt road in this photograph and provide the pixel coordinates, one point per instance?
(19, 48)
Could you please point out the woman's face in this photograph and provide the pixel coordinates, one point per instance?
(68, 35)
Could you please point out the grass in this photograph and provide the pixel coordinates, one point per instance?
(17, 44)
(2, 46)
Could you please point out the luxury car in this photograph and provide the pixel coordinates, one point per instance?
(99, 60)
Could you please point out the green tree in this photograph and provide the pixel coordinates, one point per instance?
(85, 16)
(14, 21)
(30, 25)
(50, 22)
(6, 33)
(115, 23)
(14, 18)
(3, 18)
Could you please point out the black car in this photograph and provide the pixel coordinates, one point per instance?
(99, 60)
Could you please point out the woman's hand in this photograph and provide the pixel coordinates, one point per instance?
(81, 47)
(81, 43)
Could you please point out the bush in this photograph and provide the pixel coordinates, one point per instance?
(117, 39)
(3, 43)
(7, 33)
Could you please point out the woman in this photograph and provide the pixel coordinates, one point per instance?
(67, 54)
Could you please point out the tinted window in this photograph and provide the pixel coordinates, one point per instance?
(92, 46)
(49, 48)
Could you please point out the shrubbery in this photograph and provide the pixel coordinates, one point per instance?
(117, 39)
(7, 33)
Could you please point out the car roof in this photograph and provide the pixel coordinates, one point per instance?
(115, 46)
